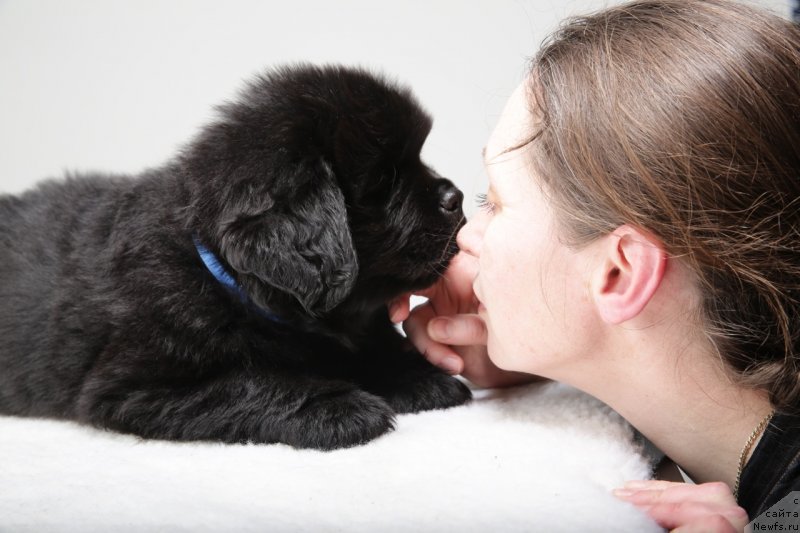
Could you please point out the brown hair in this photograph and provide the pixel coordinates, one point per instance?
(683, 118)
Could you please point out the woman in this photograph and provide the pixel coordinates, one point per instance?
(639, 241)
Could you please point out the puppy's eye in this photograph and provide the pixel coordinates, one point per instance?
(483, 202)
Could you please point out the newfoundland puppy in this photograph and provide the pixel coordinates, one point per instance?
(238, 293)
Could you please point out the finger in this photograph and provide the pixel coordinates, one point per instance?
(708, 524)
(438, 354)
(428, 292)
(673, 515)
(456, 280)
(668, 492)
(667, 497)
(650, 484)
(399, 308)
(444, 357)
(458, 330)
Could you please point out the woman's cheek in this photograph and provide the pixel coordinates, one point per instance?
(495, 292)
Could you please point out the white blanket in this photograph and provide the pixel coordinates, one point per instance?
(542, 457)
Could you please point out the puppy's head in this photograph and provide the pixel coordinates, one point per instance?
(311, 189)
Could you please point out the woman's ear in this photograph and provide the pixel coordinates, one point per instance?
(629, 272)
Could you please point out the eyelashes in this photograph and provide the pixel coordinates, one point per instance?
(483, 203)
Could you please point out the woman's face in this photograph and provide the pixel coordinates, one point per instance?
(533, 288)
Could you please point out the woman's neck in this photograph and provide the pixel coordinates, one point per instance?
(680, 398)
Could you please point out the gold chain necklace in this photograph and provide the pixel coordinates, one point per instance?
(747, 445)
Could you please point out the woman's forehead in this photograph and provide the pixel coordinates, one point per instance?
(514, 127)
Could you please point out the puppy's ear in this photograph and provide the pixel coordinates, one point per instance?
(301, 244)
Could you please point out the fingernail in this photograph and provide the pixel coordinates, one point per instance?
(451, 364)
(440, 327)
(622, 493)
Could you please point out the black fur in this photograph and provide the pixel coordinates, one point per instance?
(310, 190)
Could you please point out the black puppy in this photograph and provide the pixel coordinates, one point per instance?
(239, 292)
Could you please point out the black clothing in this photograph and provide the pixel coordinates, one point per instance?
(774, 468)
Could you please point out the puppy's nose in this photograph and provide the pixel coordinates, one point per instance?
(450, 197)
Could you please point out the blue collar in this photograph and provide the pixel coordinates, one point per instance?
(214, 266)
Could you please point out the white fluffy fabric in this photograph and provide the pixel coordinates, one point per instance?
(542, 457)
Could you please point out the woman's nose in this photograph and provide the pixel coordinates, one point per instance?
(470, 237)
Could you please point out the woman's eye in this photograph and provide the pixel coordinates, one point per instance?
(483, 202)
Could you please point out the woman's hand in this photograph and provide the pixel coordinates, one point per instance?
(685, 507)
(448, 332)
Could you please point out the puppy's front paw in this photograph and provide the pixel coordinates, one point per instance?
(424, 390)
(340, 420)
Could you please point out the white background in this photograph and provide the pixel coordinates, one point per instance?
(120, 85)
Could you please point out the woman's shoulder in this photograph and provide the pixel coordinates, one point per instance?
(667, 470)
